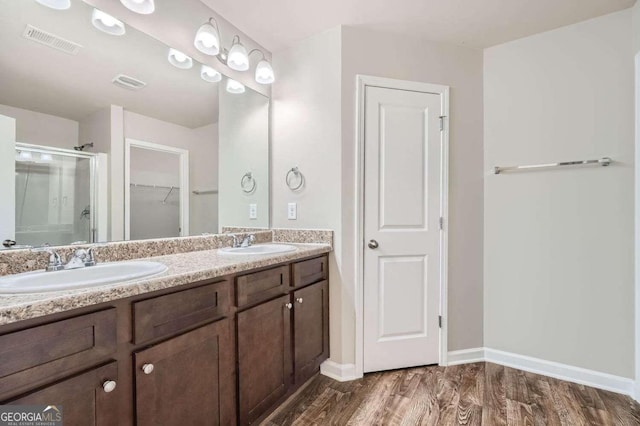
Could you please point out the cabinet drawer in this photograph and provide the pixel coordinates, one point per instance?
(260, 286)
(310, 271)
(166, 315)
(32, 356)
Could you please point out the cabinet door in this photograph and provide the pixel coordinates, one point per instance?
(264, 357)
(83, 399)
(187, 380)
(310, 329)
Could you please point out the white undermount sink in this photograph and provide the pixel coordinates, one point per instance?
(72, 279)
(258, 249)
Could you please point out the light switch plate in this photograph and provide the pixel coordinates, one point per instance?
(292, 211)
(253, 211)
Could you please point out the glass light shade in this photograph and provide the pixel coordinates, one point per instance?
(264, 73)
(179, 59)
(44, 157)
(144, 7)
(107, 23)
(56, 4)
(238, 58)
(207, 40)
(209, 74)
(235, 87)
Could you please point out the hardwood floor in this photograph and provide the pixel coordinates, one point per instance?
(471, 394)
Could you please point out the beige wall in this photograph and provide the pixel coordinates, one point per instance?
(314, 128)
(461, 69)
(306, 133)
(42, 129)
(559, 244)
(202, 144)
(244, 148)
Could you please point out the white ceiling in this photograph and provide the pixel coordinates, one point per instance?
(277, 24)
(39, 78)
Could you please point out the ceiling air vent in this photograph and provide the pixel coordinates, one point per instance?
(128, 82)
(40, 36)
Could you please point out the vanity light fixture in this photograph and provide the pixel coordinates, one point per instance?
(107, 23)
(209, 74)
(208, 38)
(238, 58)
(235, 87)
(179, 59)
(144, 7)
(264, 71)
(56, 4)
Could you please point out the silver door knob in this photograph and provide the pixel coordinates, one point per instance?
(109, 386)
(288, 305)
(373, 244)
(299, 300)
(147, 368)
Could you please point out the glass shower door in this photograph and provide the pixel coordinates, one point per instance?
(54, 196)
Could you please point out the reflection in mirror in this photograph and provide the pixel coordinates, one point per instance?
(173, 142)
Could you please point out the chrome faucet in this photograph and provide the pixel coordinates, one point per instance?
(55, 261)
(81, 258)
(245, 242)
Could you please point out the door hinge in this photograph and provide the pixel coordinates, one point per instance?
(442, 117)
(441, 222)
(439, 321)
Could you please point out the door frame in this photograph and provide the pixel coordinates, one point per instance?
(183, 156)
(362, 82)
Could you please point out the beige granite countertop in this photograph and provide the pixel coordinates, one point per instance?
(183, 268)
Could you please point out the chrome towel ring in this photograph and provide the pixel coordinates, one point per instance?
(248, 183)
(297, 173)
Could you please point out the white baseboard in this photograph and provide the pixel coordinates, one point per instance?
(339, 372)
(543, 367)
(465, 356)
(565, 372)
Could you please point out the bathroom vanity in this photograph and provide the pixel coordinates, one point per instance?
(223, 348)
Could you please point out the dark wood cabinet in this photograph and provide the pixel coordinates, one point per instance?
(187, 380)
(264, 357)
(310, 329)
(82, 398)
(178, 356)
(281, 342)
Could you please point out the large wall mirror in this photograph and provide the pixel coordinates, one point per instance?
(109, 137)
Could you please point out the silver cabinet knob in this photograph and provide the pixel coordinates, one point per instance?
(373, 244)
(147, 368)
(299, 300)
(288, 305)
(109, 386)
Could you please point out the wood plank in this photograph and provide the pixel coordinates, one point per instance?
(472, 394)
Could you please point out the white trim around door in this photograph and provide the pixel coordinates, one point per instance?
(184, 182)
(361, 84)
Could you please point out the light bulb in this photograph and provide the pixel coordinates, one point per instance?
(24, 156)
(238, 58)
(107, 23)
(235, 87)
(209, 74)
(179, 59)
(264, 72)
(207, 39)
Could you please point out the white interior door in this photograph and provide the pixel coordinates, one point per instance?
(402, 176)
(7, 178)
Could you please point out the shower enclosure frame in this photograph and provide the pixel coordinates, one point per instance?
(93, 173)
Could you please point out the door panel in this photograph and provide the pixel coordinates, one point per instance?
(192, 380)
(402, 212)
(311, 329)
